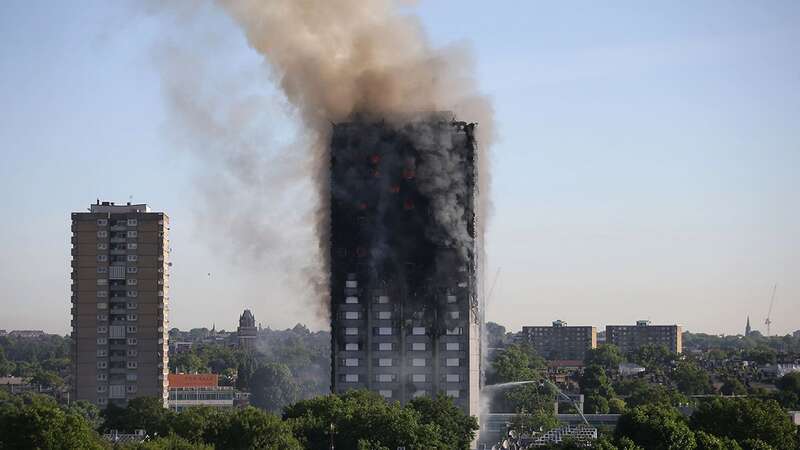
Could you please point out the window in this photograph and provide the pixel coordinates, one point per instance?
(102, 305)
(385, 393)
(418, 378)
(132, 234)
(131, 329)
(351, 331)
(451, 299)
(102, 400)
(384, 362)
(457, 331)
(351, 284)
(102, 281)
(384, 378)
(102, 222)
(101, 353)
(133, 258)
(102, 329)
(132, 222)
(102, 258)
(116, 390)
(132, 364)
(132, 341)
(102, 294)
(453, 346)
(102, 269)
(116, 332)
(132, 317)
(102, 377)
(132, 269)
(418, 362)
(351, 378)
(102, 234)
(418, 331)
(418, 346)
(132, 305)
(384, 314)
(351, 315)
(132, 293)
(452, 362)
(419, 393)
(382, 299)
(133, 353)
(351, 346)
(385, 346)
(351, 362)
(351, 300)
(132, 245)
(130, 388)
(102, 317)
(383, 331)
(102, 341)
(101, 388)
(131, 377)
(453, 378)
(454, 314)
(102, 246)
(453, 393)
(102, 364)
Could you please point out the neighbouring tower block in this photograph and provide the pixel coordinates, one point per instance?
(120, 300)
(404, 307)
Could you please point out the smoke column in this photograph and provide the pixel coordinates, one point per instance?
(336, 58)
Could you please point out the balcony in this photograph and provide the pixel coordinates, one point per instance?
(118, 228)
(115, 251)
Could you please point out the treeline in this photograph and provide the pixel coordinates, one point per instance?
(283, 367)
(44, 360)
(355, 420)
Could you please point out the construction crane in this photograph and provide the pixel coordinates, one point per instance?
(768, 322)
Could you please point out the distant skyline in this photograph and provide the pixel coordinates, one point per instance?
(646, 165)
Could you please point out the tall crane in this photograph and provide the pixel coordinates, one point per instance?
(768, 322)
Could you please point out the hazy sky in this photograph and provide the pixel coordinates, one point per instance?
(647, 163)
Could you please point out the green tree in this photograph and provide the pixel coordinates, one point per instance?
(732, 386)
(88, 411)
(454, 426)
(537, 421)
(654, 358)
(616, 405)
(656, 427)
(707, 441)
(691, 379)
(638, 392)
(37, 422)
(530, 397)
(171, 442)
(198, 424)
(251, 428)
(516, 363)
(272, 387)
(741, 419)
(6, 367)
(358, 415)
(606, 356)
(141, 413)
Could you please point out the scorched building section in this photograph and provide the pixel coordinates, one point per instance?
(404, 313)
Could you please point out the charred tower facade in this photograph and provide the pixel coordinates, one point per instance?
(405, 315)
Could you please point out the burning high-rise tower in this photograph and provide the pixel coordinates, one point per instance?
(404, 307)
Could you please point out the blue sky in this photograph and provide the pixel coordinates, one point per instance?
(646, 167)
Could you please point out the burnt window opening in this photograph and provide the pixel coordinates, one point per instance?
(361, 252)
(394, 189)
(375, 159)
(408, 204)
(409, 174)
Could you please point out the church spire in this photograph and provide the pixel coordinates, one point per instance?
(747, 328)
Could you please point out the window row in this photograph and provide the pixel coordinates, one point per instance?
(389, 331)
(391, 362)
(391, 378)
(389, 346)
(129, 222)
